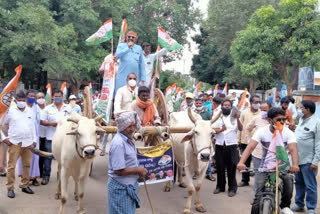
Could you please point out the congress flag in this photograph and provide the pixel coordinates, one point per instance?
(48, 96)
(8, 92)
(64, 91)
(165, 41)
(123, 31)
(102, 35)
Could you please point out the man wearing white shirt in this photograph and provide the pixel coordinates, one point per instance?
(149, 60)
(227, 154)
(126, 94)
(20, 136)
(50, 117)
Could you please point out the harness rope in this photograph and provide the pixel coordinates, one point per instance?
(83, 147)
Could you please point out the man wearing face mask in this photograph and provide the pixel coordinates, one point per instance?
(52, 114)
(227, 154)
(285, 106)
(189, 102)
(264, 137)
(34, 167)
(130, 58)
(73, 105)
(145, 108)
(256, 123)
(246, 117)
(126, 95)
(42, 129)
(20, 136)
(308, 140)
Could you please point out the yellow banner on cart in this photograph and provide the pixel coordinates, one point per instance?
(156, 151)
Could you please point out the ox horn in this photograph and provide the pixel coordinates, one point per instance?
(99, 117)
(73, 132)
(216, 117)
(191, 116)
(74, 120)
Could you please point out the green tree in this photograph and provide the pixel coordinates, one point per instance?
(214, 63)
(279, 41)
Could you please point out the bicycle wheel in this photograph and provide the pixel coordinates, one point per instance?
(266, 209)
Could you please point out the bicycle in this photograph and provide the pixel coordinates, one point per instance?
(268, 203)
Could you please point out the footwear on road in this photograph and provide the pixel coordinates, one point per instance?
(45, 181)
(243, 184)
(231, 193)
(27, 190)
(217, 191)
(296, 208)
(210, 178)
(11, 193)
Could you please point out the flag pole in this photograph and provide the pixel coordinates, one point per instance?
(112, 46)
(277, 186)
(157, 70)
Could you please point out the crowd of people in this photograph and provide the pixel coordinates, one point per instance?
(31, 123)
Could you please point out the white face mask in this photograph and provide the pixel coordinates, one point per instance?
(41, 101)
(199, 108)
(132, 83)
(21, 104)
(256, 106)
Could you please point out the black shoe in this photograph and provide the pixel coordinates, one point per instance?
(217, 191)
(27, 190)
(210, 177)
(243, 184)
(231, 193)
(11, 193)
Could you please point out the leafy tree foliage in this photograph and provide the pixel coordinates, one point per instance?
(47, 36)
(279, 41)
(214, 63)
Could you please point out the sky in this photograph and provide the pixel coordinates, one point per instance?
(184, 64)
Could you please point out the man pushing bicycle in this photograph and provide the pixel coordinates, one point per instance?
(274, 138)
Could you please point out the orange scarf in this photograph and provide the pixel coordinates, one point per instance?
(149, 111)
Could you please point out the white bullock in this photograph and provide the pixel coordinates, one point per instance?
(73, 146)
(192, 151)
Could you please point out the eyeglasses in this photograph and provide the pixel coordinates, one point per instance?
(281, 119)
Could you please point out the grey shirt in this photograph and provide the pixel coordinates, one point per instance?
(308, 139)
(122, 154)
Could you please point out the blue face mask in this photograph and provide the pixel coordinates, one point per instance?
(31, 100)
(264, 114)
(300, 114)
(190, 104)
(57, 100)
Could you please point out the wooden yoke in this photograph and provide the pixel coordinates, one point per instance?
(152, 130)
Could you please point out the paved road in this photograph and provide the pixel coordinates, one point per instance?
(43, 202)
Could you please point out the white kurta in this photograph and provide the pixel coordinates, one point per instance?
(149, 61)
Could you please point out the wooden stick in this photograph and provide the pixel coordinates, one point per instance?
(277, 185)
(112, 46)
(151, 129)
(149, 199)
(157, 71)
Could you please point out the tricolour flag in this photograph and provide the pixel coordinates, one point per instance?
(64, 91)
(102, 35)
(123, 31)
(8, 92)
(179, 99)
(165, 41)
(242, 103)
(276, 152)
(215, 91)
(196, 91)
(48, 96)
(225, 89)
(91, 90)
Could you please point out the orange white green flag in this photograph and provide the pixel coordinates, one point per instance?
(225, 89)
(64, 91)
(276, 152)
(196, 91)
(215, 91)
(242, 103)
(8, 92)
(165, 41)
(123, 31)
(102, 35)
(48, 96)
